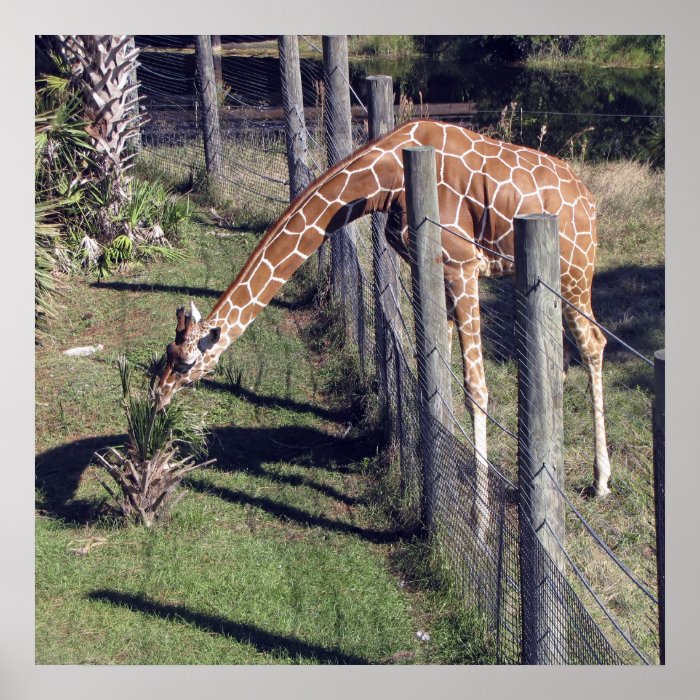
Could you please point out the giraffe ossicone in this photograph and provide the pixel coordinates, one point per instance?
(196, 316)
(482, 184)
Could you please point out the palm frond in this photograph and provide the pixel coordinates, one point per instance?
(164, 252)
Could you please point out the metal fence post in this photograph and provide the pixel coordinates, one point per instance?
(213, 151)
(385, 261)
(293, 106)
(659, 420)
(540, 436)
(338, 133)
(428, 283)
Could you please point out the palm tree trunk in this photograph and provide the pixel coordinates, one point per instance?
(104, 66)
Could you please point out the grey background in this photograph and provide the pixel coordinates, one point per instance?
(677, 19)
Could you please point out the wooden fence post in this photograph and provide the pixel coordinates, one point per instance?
(428, 284)
(213, 151)
(385, 261)
(659, 420)
(293, 106)
(338, 133)
(540, 435)
(216, 55)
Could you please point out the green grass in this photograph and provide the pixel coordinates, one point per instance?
(382, 45)
(297, 518)
(274, 555)
(206, 590)
(615, 50)
(623, 50)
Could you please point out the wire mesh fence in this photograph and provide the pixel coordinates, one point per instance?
(600, 594)
(251, 121)
(609, 620)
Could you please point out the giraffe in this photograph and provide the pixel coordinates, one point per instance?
(482, 184)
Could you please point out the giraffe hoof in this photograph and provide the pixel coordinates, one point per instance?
(595, 492)
(600, 492)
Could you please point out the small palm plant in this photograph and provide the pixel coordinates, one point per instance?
(162, 448)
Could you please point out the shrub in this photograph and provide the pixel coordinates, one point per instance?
(161, 450)
(382, 45)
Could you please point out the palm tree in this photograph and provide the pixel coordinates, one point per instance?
(103, 66)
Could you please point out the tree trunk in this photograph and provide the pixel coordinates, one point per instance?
(103, 65)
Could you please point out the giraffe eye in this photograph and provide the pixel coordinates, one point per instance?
(209, 340)
(180, 367)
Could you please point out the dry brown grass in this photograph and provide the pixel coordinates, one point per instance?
(630, 199)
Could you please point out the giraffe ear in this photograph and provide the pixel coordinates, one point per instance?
(209, 340)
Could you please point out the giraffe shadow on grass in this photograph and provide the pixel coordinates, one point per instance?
(59, 471)
(630, 301)
(262, 640)
(273, 401)
(251, 450)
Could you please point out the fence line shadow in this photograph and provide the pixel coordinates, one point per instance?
(58, 471)
(297, 515)
(183, 290)
(262, 640)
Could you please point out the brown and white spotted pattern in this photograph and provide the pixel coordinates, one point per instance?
(482, 185)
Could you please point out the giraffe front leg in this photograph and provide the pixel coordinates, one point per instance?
(468, 322)
(591, 342)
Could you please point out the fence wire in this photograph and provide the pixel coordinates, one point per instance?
(255, 172)
(588, 618)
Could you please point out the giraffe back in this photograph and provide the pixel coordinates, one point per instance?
(483, 183)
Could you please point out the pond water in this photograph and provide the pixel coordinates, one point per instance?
(624, 107)
(615, 112)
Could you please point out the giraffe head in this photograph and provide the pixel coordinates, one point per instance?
(189, 357)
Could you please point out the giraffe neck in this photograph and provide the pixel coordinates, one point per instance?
(349, 190)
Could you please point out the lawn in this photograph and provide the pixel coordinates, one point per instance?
(282, 551)
(277, 553)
